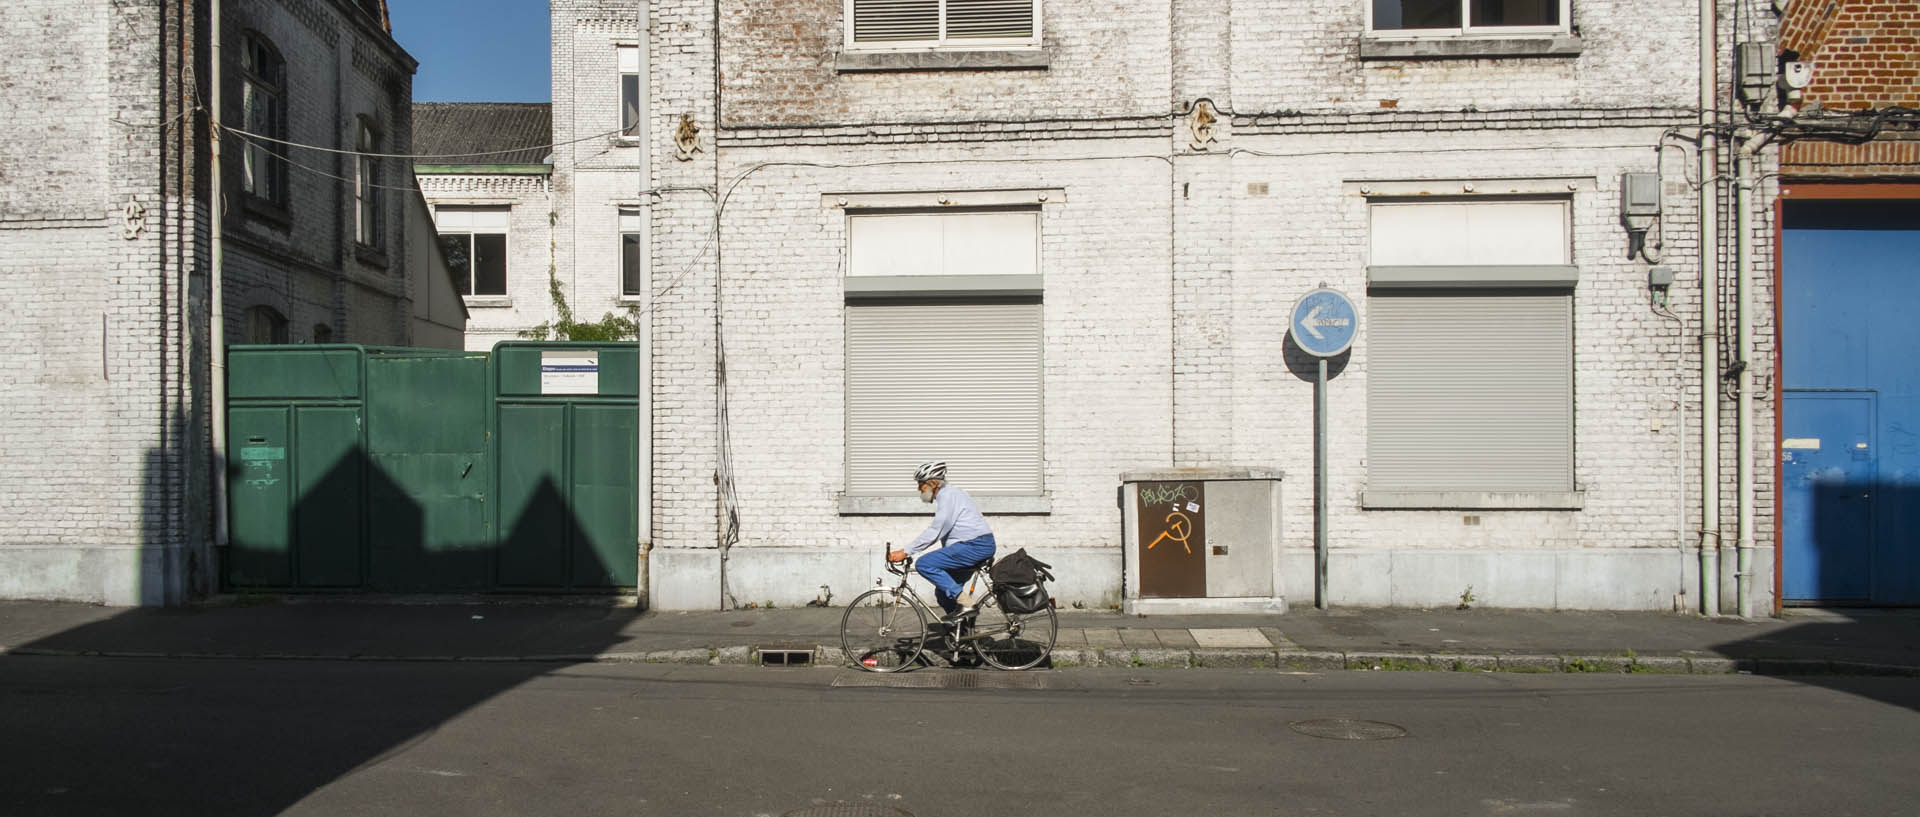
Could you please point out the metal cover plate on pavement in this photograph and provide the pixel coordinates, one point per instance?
(954, 680)
(847, 810)
(1348, 729)
(1233, 638)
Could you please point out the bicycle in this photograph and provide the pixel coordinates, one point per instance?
(885, 629)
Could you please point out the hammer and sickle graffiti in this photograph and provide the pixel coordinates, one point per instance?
(1179, 527)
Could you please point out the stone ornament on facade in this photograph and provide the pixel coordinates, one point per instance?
(134, 218)
(686, 138)
(1200, 123)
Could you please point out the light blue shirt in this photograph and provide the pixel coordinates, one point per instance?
(955, 519)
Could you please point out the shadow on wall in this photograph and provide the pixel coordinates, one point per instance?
(132, 735)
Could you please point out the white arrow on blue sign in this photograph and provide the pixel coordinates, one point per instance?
(1324, 323)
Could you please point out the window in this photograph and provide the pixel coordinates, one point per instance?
(633, 247)
(943, 334)
(265, 325)
(927, 24)
(474, 240)
(1469, 352)
(366, 187)
(1475, 17)
(630, 105)
(263, 111)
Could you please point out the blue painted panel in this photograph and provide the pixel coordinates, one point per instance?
(1826, 468)
(1850, 319)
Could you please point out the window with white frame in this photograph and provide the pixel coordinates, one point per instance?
(633, 244)
(263, 112)
(366, 186)
(1469, 345)
(474, 241)
(943, 343)
(1466, 17)
(930, 24)
(630, 102)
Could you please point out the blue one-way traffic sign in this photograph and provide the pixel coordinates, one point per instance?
(1324, 323)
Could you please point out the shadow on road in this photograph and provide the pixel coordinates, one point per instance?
(131, 735)
(1841, 650)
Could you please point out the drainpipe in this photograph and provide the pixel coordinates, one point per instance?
(1709, 317)
(1743, 322)
(216, 313)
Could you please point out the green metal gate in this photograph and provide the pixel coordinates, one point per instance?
(568, 430)
(365, 468)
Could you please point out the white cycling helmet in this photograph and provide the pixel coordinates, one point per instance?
(929, 471)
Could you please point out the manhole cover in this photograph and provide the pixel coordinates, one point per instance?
(953, 680)
(1348, 729)
(847, 810)
(741, 624)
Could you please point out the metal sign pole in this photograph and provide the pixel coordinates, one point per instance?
(1323, 325)
(1320, 489)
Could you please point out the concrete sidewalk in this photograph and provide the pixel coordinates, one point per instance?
(1877, 642)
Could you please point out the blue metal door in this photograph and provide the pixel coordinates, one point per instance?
(1827, 471)
(1850, 369)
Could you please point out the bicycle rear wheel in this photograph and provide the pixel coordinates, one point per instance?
(883, 632)
(1015, 640)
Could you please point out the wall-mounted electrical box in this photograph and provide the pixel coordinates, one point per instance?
(1753, 63)
(1639, 200)
(1660, 278)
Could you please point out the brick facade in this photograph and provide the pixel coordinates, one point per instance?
(1866, 57)
(105, 459)
(1168, 276)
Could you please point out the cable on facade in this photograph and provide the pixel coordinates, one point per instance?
(323, 149)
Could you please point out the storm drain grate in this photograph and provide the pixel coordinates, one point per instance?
(847, 810)
(785, 656)
(953, 680)
(1348, 729)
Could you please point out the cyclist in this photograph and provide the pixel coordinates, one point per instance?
(963, 536)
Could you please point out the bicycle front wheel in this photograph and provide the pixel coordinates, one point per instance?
(1015, 640)
(882, 631)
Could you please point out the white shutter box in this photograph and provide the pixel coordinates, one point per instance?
(953, 381)
(895, 20)
(1470, 391)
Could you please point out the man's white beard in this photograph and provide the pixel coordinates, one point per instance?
(926, 495)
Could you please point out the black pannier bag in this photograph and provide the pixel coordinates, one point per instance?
(1019, 582)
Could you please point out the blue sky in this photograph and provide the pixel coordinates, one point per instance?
(476, 50)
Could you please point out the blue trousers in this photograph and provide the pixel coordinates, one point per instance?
(951, 565)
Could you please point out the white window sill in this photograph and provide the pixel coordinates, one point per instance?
(488, 301)
(912, 506)
(631, 300)
(955, 59)
(1468, 46)
(1474, 500)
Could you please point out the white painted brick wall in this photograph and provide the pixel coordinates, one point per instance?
(1168, 282)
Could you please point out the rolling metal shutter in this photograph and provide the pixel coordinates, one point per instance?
(1470, 390)
(958, 381)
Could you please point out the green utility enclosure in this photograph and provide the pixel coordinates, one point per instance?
(419, 470)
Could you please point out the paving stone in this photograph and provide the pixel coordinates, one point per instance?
(1305, 661)
(1071, 638)
(1146, 658)
(1177, 639)
(1242, 638)
(1140, 639)
(1103, 637)
(1278, 639)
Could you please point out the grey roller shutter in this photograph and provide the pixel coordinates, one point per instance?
(1470, 391)
(952, 380)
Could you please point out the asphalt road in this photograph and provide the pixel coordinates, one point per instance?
(103, 736)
